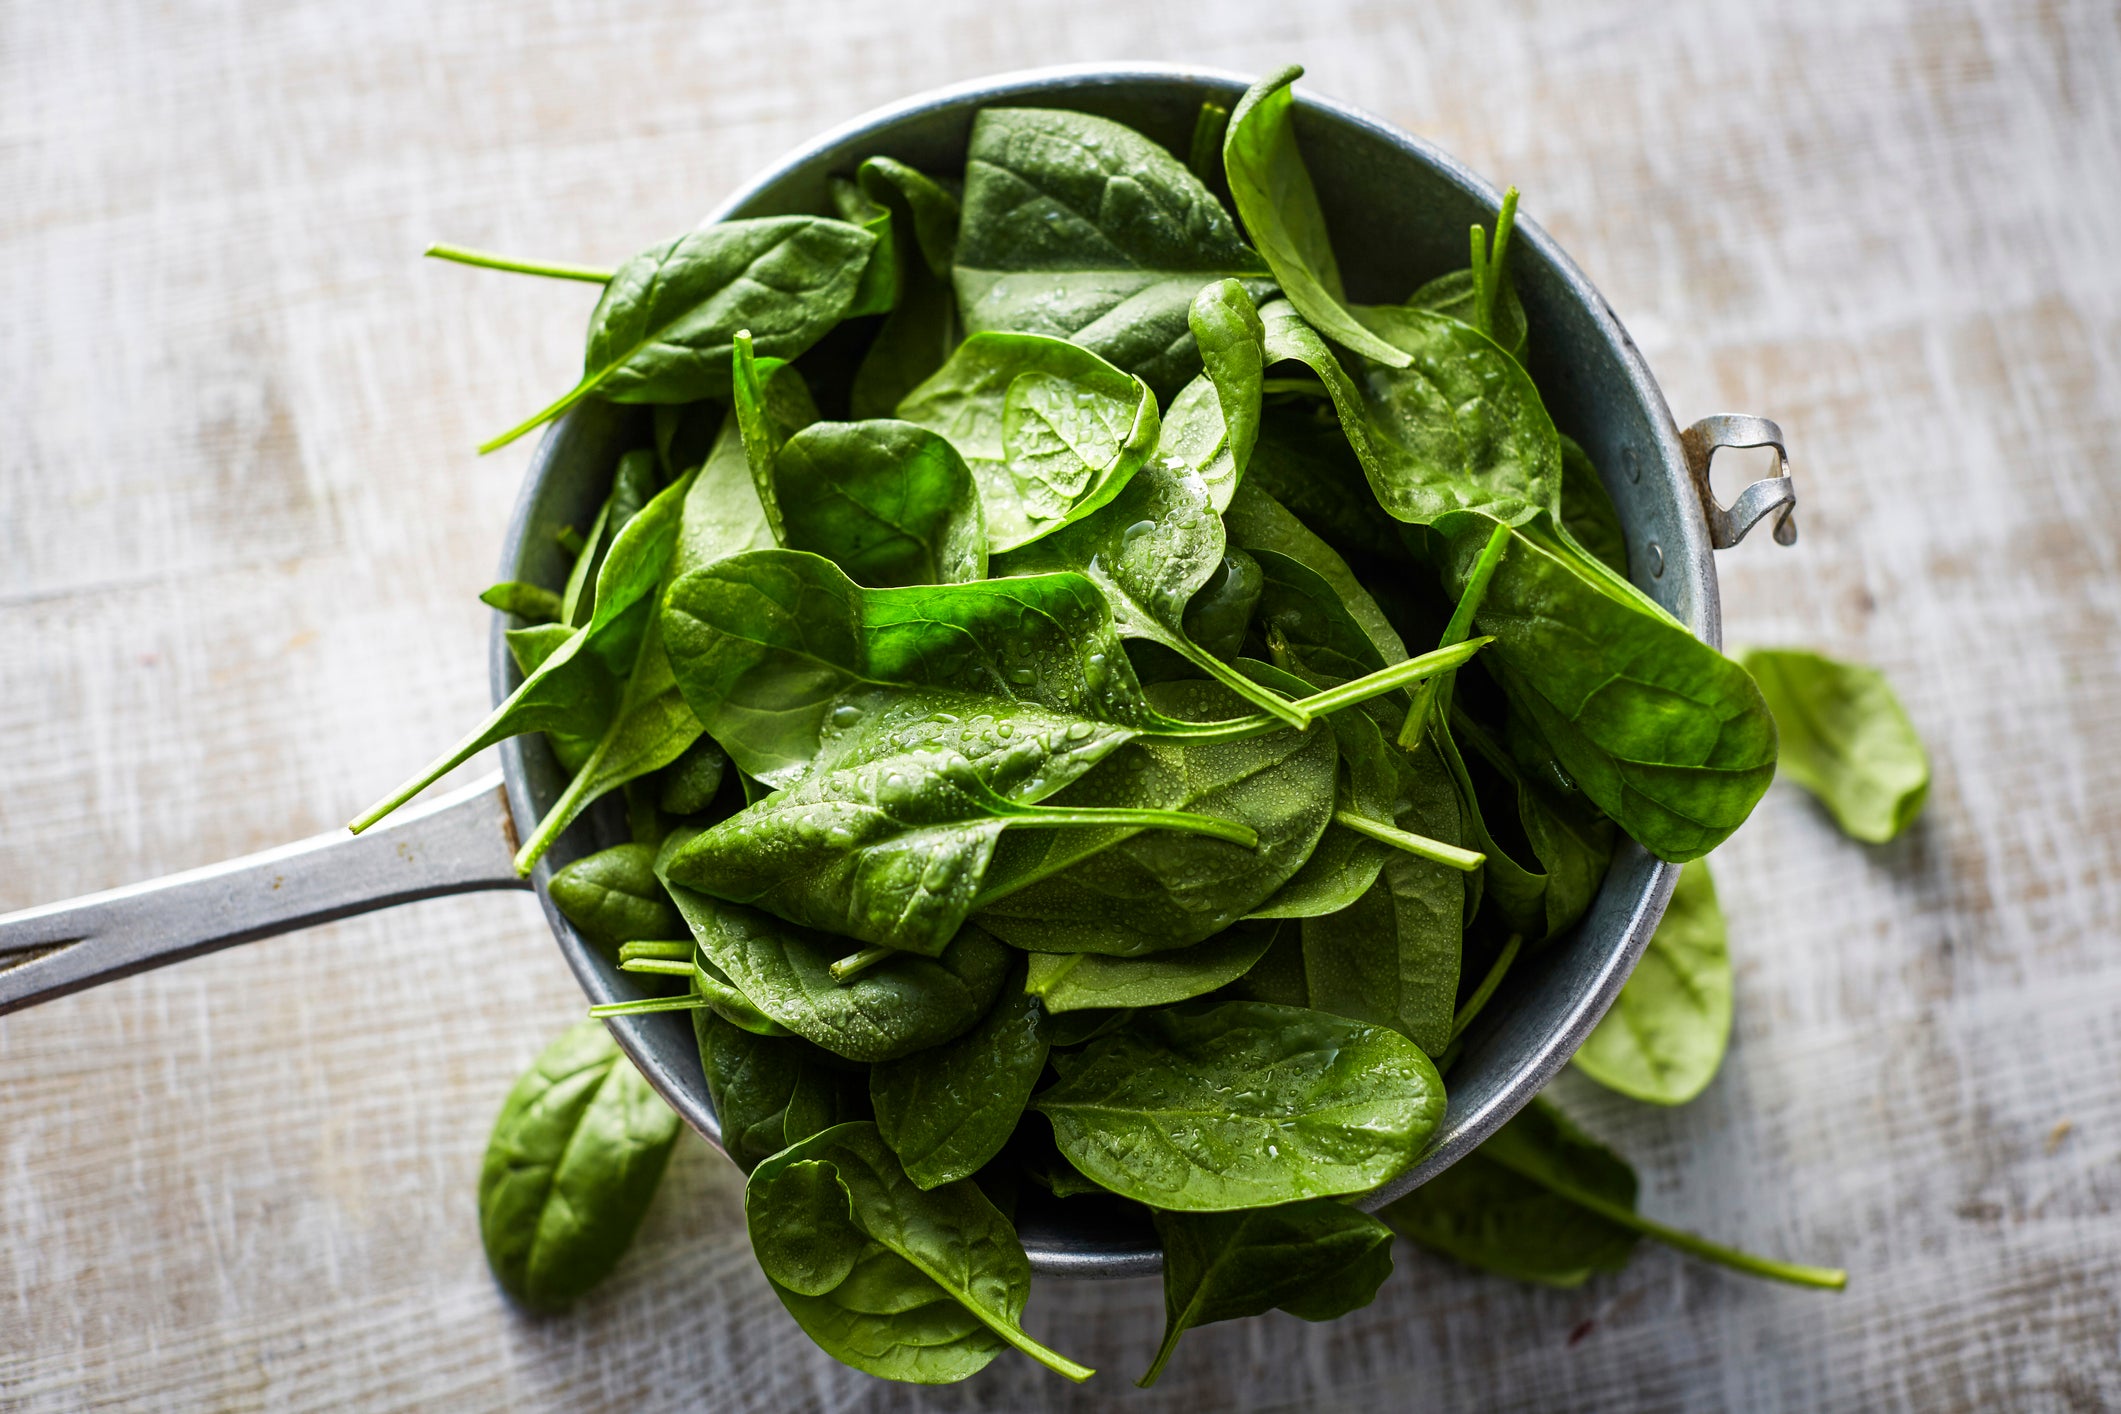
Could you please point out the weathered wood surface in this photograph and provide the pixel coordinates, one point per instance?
(242, 530)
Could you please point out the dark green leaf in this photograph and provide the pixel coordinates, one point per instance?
(888, 502)
(1316, 1259)
(575, 1157)
(1846, 739)
(895, 1008)
(1663, 733)
(614, 897)
(1587, 511)
(932, 1294)
(1080, 228)
(1665, 1035)
(664, 330)
(771, 1091)
(1050, 430)
(689, 784)
(1072, 982)
(1258, 521)
(922, 327)
(949, 1109)
(1275, 197)
(1453, 295)
(1242, 1105)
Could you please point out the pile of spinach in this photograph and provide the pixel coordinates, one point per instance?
(1098, 713)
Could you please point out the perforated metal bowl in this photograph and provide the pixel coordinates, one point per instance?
(1399, 210)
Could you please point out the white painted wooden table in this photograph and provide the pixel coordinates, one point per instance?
(241, 529)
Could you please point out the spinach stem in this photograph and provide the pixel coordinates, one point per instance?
(1487, 987)
(536, 420)
(1333, 699)
(1182, 821)
(1460, 625)
(648, 1004)
(858, 962)
(1479, 240)
(1492, 295)
(464, 255)
(1420, 846)
(1206, 155)
(668, 967)
(1259, 694)
(629, 952)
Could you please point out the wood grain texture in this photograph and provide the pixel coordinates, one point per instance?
(241, 530)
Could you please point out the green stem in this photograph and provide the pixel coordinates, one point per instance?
(1827, 1278)
(566, 400)
(648, 1004)
(1163, 1357)
(668, 967)
(1504, 222)
(1465, 861)
(1205, 156)
(630, 952)
(1258, 694)
(1487, 987)
(858, 962)
(1182, 821)
(464, 255)
(1455, 631)
(1480, 278)
(1333, 699)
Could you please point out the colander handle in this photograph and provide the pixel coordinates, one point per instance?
(460, 843)
(1776, 494)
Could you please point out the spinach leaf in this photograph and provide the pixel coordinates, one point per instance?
(614, 897)
(1232, 342)
(1303, 461)
(771, 1091)
(663, 332)
(887, 840)
(1316, 1259)
(1543, 1201)
(1074, 982)
(1242, 1105)
(1257, 521)
(1279, 206)
(1587, 511)
(575, 1157)
(1846, 739)
(934, 1288)
(1050, 430)
(722, 513)
(1665, 1036)
(1456, 296)
(1123, 892)
(765, 644)
(531, 603)
(1663, 733)
(1462, 429)
(1081, 228)
(1300, 613)
(689, 784)
(922, 328)
(1571, 841)
(899, 1006)
(888, 502)
(1220, 612)
(573, 688)
(949, 1109)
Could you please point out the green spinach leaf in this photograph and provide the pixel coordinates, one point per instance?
(1665, 1035)
(1316, 1259)
(1242, 1105)
(1846, 739)
(614, 897)
(922, 328)
(1080, 228)
(1074, 982)
(935, 1289)
(1050, 430)
(664, 330)
(949, 1109)
(575, 1157)
(772, 1091)
(888, 502)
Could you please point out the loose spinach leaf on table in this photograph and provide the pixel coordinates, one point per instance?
(1846, 739)
(1274, 196)
(1316, 1259)
(1663, 733)
(911, 1284)
(1050, 430)
(949, 1109)
(899, 1006)
(1081, 228)
(663, 332)
(1543, 1201)
(1242, 1105)
(1665, 1035)
(1074, 982)
(888, 502)
(923, 327)
(614, 897)
(575, 1157)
